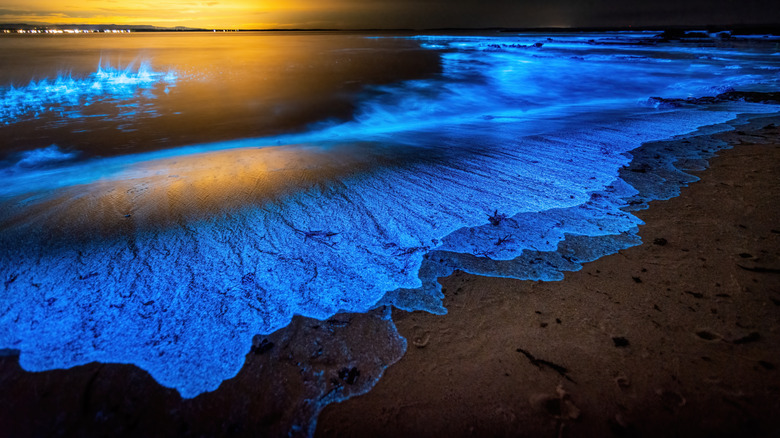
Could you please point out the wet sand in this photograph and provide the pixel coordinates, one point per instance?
(679, 336)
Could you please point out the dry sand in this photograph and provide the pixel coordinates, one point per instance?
(679, 336)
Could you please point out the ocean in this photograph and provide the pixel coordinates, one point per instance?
(174, 192)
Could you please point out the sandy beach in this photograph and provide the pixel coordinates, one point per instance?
(675, 337)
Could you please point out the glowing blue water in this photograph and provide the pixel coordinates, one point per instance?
(68, 96)
(538, 134)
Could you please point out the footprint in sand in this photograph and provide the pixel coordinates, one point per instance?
(421, 337)
(622, 382)
(558, 406)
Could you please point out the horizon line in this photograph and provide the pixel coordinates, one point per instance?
(153, 28)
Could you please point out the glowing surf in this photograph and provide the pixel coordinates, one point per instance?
(146, 258)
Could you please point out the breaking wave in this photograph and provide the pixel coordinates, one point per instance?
(43, 157)
(507, 164)
(68, 96)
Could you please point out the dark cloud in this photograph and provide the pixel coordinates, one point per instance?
(426, 14)
(519, 13)
(430, 14)
(675, 12)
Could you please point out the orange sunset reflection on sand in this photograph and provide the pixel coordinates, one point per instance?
(176, 191)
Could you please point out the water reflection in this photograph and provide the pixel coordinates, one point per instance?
(179, 190)
(229, 86)
(147, 258)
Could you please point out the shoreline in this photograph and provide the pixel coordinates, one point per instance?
(676, 336)
(484, 311)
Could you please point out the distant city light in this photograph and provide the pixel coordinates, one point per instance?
(65, 31)
(78, 31)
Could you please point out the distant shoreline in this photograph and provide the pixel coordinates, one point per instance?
(738, 29)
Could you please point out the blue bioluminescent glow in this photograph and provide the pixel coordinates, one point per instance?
(68, 95)
(510, 162)
(43, 157)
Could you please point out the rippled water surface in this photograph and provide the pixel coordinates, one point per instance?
(171, 193)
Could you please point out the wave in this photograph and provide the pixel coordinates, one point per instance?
(482, 169)
(43, 157)
(68, 95)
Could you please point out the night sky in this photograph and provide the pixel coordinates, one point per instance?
(417, 14)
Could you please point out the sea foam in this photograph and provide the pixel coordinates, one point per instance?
(344, 217)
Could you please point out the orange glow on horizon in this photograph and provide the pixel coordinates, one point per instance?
(218, 14)
(378, 14)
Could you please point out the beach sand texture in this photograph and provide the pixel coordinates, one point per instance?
(675, 337)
